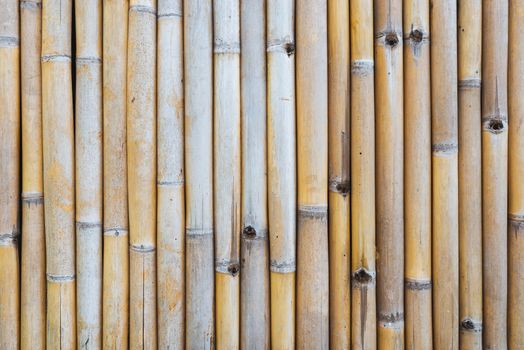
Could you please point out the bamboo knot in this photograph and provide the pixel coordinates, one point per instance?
(231, 267)
(339, 186)
(60, 278)
(390, 38)
(141, 248)
(417, 285)
(363, 277)
(391, 320)
(495, 124)
(284, 45)
(30, 5)
(249, 231)
(362, 67)
(115, 232)
(9, 41)
(283, 266)
(469, 325)
(32, 198)
(143, 9)
(56, 58)
(446, 148)
(471, 83)
(8, 239)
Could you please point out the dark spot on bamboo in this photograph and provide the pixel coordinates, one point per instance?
(391, 39)
(343, 188)
(362, 276)
(495, 125)
(233, 269)
(250, 231)
(133, 100)
(290, 48)
(416, 36)
(468, 324)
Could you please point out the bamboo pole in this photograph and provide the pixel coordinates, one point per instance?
(198, 135)
(33, 293)
(389, 115)
(363, 296)
(58, 147)
(9, 173)
(88, 162)
(494, 171)
(470, 169)
(170, 177)
(141, 165)
(417, 176)
(115, 307)
(281, 170)
(445, 173)
(254, 279)
(339, 182)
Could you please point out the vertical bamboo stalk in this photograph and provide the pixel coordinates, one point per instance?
(170, 177)
(254, 279)
(9, 174)
(389, 116)
(88, 162)
(312, 155)
(445, 173)
(494, 171)
(115, 307)
(281, 170)
(338, 167)
(417, 175)
(141, 165)
(58, 141)
(363, 296)
(470, 170)
(198, 135)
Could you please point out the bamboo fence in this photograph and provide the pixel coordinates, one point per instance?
(261, 174)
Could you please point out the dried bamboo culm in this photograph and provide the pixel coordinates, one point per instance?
(59, 186)
(9, 174)
(494, 172)
(170, 176)
(363, 274)
(141, 171)
(470, 171)
(198, 135)
(254, 279)
(339, 181)
(417, 176)
(444, 117)
(281, 169)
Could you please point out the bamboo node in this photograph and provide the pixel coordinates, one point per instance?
(178, 14)
(9, 41)
(8, 239)
(141, 248)
(56, 58)
(221, 47)
(36, 198)
(471, 83)
(284, 45)
(249, 231)
(88, 60)
(231, 267)
(362, 67)
(143, 9)
(283, 267)
(516, 218)
(60, 278)
(82, 225)
(363, 277)
(338, 186)
(417, 285)
(390, 38)
(174, 183)
(30, 5)
(495, 124)
(447, 148)
(115, 231)
(199, 232)
(313, 211)
(470, 325)
(391, 320)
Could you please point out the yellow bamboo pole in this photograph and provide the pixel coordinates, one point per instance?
(170, 177)
(281, 170)
(417, 175)
(33, 293)
(141, 165)
(198, 135)
(58, 148)
(470, 169)
(389, 115)
(254, 279)
(115, 301)
(363, 274)
(339, 183)
(445, 173)
(494, 172)
(9, 173)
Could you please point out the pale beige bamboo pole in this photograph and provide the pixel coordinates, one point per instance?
(312, 168)
(198, 135)
(417, 175)
(115, 301)
(389, 119)
(58, 147)
(170, 176)
(470, 169)
(281, 169)
(254, 279)
(363, 274)
(338, 167)
(88, 171)
(494, 172)
(445, 174)
(141, 166)
(9, 173)
(33, 291)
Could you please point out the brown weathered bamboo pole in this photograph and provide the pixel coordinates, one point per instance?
(389, 133)
(198, 78)
(312, 156)
(254, 279)
(9, 174)
(470, 170)
(494, 172)
(33, 283)
(445, 173)
(338, 167)
(363, 296)
(141, 166)
(170, 176)
(417, 175)
(281, 169)
(58, 146)
(115, 301)
(88, 172)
